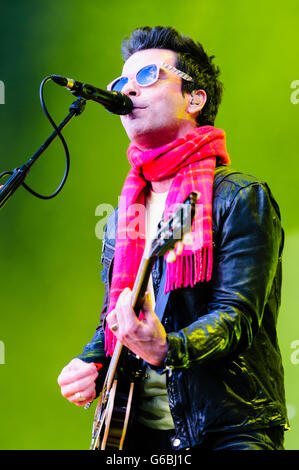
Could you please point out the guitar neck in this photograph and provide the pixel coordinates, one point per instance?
(141, 283)
(168, 234)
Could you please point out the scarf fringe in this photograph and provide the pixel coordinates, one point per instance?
(188, 270)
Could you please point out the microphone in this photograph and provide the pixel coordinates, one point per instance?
(114, 101)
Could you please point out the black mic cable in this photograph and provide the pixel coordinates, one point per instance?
(59, 134)
(18, 174)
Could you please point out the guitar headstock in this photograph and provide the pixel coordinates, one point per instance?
(175, 228)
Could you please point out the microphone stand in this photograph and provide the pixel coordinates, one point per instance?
(18, 175)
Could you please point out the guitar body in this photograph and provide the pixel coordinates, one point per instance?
(115, 404)
(113, 418)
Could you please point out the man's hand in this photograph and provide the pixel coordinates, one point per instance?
(77, 382)
(146, 338)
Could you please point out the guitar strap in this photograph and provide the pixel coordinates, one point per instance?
(161, 299)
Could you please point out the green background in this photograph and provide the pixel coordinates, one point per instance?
(51, 292)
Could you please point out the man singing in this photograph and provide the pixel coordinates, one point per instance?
(213, 370)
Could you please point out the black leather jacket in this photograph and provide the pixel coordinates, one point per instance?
(224, 367)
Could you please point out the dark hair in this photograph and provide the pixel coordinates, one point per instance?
(191, 59)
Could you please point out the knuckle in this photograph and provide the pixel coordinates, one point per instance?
(135, 328)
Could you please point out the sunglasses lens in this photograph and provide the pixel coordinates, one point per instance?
(147, 75)
(119, 84)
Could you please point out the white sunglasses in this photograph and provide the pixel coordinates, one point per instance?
(147, 76)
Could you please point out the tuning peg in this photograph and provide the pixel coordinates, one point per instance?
(188, 239)
(179, 246)
(171, 257)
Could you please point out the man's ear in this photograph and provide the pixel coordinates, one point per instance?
(198, 99)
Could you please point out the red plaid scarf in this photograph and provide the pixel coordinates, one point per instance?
(191, 160)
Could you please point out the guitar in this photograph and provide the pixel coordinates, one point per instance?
(115, 401)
